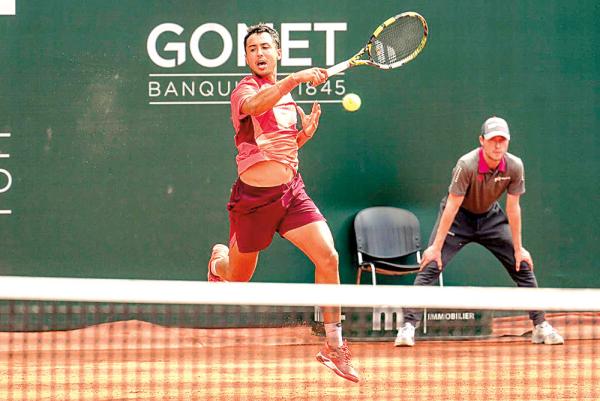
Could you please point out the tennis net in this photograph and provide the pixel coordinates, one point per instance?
(96, 339)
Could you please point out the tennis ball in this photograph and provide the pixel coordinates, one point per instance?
(351, 102)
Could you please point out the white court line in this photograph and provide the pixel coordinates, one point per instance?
(5, 211)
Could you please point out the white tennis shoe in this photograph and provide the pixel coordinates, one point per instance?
(544, 333)
(406, 336)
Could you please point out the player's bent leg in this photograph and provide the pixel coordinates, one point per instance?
(428, 276)
(543, 332)
(316, 242)
(229, 264)
(241, 264)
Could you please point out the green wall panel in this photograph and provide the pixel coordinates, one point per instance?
(106, 184)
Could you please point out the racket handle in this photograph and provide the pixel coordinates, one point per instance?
(336, 69)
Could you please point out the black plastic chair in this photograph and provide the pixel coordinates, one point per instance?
(388, 242)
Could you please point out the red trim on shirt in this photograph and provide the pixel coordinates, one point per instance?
(483, 166)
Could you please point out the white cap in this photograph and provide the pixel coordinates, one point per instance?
(495, 126)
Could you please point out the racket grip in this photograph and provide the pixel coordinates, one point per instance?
(336, 69)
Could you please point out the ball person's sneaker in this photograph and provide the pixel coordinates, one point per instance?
(406, 336)
(219, 251)
(338, 360)
(544, 333)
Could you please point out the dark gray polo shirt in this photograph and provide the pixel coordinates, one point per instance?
(482, 186)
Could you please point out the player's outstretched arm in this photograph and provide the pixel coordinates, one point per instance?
(267, 98)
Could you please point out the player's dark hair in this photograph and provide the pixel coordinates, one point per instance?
(261, 27)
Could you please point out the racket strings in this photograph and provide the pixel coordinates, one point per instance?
(397, 41)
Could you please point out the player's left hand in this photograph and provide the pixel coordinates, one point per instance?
(523, 255)
(310, 122)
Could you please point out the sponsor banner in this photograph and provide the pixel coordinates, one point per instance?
(202, 64)
(383, 322)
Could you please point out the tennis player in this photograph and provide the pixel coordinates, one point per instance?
(269, 194)
(471, 213)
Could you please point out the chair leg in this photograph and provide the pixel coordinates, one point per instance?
(373, 278)
(358, 274)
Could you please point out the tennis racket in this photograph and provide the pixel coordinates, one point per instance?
(397, 41)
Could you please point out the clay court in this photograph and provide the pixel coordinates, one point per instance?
(135, 360)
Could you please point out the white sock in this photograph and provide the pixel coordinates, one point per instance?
(333, 331)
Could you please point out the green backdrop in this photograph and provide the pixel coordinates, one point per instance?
(102, 182)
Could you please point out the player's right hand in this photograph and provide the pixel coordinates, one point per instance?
(315, 76)
(431, 254)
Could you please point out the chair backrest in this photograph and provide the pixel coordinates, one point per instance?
(387, 232)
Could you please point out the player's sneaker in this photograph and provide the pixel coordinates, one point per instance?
(406, 336)
(219, 251)
(546, 334)
(338, 360)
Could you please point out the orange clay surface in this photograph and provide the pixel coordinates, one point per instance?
(134, 360)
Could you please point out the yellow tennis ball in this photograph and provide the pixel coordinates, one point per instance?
(351, 102)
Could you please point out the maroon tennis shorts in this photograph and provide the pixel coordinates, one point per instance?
(256, 213)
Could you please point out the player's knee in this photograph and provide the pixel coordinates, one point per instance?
(329, 261)
(524, 266)
(333, 259)
(429, 275)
